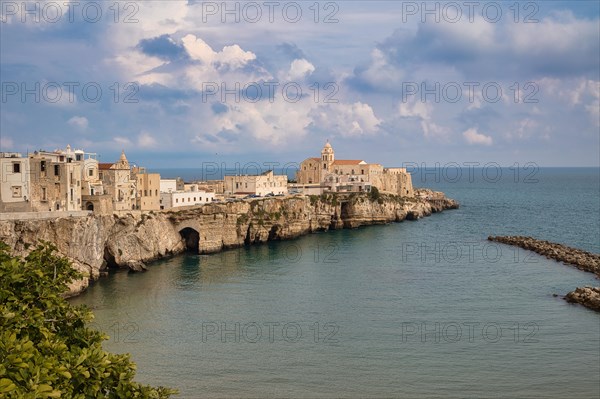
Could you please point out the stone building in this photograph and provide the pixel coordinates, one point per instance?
(14, 187)
(148, 189)
(352, 175)
(119, 184)
(263, 184)
(55, 180)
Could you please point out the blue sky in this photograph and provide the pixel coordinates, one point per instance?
(383, 81)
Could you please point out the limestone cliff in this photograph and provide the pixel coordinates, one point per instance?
(95, 243)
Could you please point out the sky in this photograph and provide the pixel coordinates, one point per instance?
(176, 84)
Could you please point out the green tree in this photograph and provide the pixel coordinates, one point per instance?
(46, 350)
(374, 194)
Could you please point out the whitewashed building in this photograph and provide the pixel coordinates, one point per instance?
(263, 184)
(14, 187)
(176, 199)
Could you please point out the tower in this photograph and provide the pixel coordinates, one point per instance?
(327, 156)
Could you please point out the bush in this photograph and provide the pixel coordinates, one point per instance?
(46, 349)
(374, 194)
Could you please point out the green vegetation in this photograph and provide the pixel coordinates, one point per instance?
(242, 219)
(46, 350)
(374, 194)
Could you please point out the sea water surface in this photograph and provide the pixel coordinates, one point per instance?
(415, 309)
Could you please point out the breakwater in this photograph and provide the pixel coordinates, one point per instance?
(95, 243)
(583, 260)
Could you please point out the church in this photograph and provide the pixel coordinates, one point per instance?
(352, 175)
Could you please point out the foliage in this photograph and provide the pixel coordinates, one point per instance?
(46, 350)
(374, 194)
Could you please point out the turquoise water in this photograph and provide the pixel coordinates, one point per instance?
(415, 309)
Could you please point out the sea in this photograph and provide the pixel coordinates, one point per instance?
(418, 309)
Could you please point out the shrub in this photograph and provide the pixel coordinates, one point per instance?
(374, 194)
(47, 351)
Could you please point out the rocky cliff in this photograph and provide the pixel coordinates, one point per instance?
(95, 243)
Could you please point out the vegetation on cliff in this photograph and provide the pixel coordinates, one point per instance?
(46, 349)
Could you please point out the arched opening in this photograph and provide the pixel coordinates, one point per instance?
(89, 206)
(191, 239)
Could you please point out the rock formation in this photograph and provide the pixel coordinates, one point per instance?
(129, 240)
(586, 296)
(583, 260)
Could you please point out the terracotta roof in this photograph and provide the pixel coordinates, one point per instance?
(104, 166)
(347, 161)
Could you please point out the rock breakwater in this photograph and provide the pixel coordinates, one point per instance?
(583, 260)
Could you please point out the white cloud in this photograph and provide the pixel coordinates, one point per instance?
(422, 111)
(233, 55)
(473, 137)
(79, 122)
(145, 140)
(347, 119)
(123, 141)
(6, 143)
(299, 69)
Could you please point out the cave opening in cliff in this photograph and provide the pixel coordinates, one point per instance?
(109, 260)
(191, 238)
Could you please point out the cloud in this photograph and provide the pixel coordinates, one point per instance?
(145, 140)
(346, 120)
(123, 141)
(163, 47)
(79, 122)
(474, 138)
(422, 111)
(299, 69)
(232, 56)
(6, 143)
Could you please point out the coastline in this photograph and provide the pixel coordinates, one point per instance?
(96, 243)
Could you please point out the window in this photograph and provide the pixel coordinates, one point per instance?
(194, 199)
(324, 166)
(16, 167)
(145, 193)
(156, 192)
(16, 191)
(71, 195)
(43, 193)
(56, 170)
(43, 166)
(176, 200)
(100, 175)
(91, 172)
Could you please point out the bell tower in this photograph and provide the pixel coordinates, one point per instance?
(327, 157)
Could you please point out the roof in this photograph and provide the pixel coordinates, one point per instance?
(348, 162)
(104, 166)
